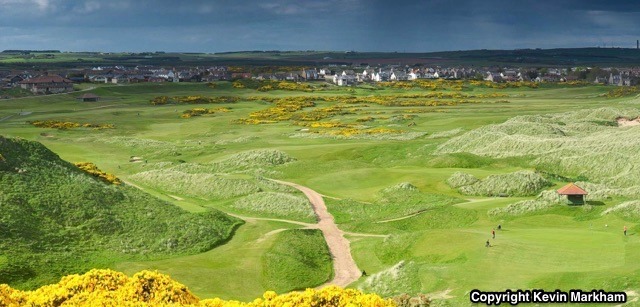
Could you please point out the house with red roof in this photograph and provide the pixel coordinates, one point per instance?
(48, 85)
(575, 194)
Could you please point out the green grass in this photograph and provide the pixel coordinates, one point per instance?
(442, 246)
(53, 210)
(298, 259)
(231, 271)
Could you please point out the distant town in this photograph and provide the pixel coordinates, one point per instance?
(55, 80)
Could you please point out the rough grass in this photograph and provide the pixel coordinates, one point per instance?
(422, 211)
(629, 209)
(461, 179)
(446, 134)
(278, 205)
(59, 220)
(258, 157)
(210, 180)
(599, 191)
(398, 279)
(298, 259)
(252, 161)
(522, 183)
(209, 186)
(403, 136)
(584, 143)
(545, 200)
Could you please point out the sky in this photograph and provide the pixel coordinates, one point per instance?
(327, 25)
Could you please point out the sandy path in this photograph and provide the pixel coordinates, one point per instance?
(345, 270)
(402, 217)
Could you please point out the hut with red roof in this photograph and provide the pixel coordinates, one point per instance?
(574, 193)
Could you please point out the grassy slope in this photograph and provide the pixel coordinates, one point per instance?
(231, 271)
(298, 259)
(57, 220)
(449, 256)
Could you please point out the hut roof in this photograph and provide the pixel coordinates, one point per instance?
(571, 189)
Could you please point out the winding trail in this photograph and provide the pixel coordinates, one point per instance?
(402, 217)
(345, 270)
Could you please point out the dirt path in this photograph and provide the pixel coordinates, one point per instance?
(251, 218)
(345, 270)
(402, 217)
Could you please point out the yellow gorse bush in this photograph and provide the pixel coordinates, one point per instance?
(68, 125)
(202, 111)
(146, 288)
(197, 99)
(93, 170)
(623, 91)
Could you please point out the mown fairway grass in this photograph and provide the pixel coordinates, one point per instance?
(442, 249)
(233, 271)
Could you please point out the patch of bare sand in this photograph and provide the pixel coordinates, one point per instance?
(625, 122)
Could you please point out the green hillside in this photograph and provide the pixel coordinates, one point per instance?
(57, 220)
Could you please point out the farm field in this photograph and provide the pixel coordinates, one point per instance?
(428, 169)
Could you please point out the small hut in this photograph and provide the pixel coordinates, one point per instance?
(574, 193)
(89, 97)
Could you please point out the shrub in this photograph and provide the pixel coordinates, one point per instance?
(147, 288)
(195, 99)
(202, 111)
(68, 125)
(93, 170)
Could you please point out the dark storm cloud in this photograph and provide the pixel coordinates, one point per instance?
(364, 25)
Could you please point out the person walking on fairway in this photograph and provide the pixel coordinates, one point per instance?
(493, 233)
(488, 244)
(625, 230)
